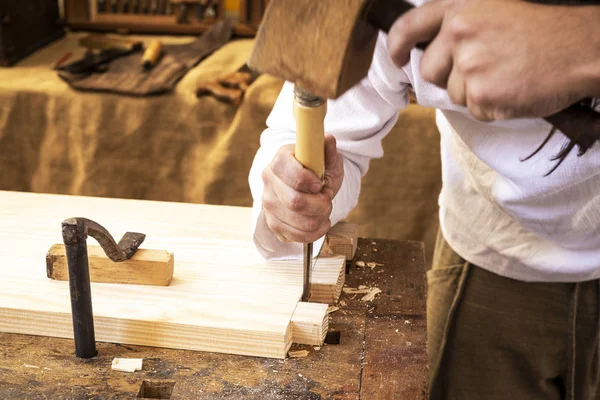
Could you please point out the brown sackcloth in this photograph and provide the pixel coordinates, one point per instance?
(177, 147)
(496, 338)
(126, 76)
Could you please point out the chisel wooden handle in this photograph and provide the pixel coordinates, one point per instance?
(309, 112)
(152, 55)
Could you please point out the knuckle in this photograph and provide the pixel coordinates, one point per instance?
(273, 224)
(428, 73)
(278, 163)
(265, 175)
(299, 182)
(329, 209)
(296, 202)
(269, 203)
(312, 224)
(459, 27)
(478, 94)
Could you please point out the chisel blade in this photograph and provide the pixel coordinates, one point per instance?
(308, 249)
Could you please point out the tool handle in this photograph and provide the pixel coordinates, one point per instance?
(310, 136)
(152, 54)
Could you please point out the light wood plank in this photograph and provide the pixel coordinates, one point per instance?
(145, 267)
(223, 297)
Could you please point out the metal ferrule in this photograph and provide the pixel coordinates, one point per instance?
(307, 99)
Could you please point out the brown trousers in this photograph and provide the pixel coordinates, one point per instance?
(495, 338)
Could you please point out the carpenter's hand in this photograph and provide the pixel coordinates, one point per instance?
(504, 58)
(296, 206)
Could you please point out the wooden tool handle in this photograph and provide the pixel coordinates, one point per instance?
(310, 136)
(152, 54)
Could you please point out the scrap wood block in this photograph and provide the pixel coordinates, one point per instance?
(342, 239)
(145, 267)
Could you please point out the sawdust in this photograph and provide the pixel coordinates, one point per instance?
(332, 309)
(371, 294)
(372, 265)
(360, 290)
(298, 354)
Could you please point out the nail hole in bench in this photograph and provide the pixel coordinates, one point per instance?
(333, 337)
(156, 390)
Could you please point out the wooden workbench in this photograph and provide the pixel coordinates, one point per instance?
(382, 354)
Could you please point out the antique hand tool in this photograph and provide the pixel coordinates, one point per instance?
(229, 89)
(336, 50)
(103, 42)
(75, 232)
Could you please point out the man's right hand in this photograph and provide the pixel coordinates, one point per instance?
(296, 204)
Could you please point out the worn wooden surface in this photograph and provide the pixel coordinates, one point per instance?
(382, 354)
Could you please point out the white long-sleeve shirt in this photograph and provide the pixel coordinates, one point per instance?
(496, 211)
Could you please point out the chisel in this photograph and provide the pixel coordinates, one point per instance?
(309, 111)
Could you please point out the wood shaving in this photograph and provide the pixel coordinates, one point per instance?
(374, 264)
(298, 354)
(356, 291)
(332, 309)
(371, 294)
(360, 264)
(30, 366)
(342, 303)
(127, 364)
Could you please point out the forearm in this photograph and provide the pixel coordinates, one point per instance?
(595, 49)
(586, 69)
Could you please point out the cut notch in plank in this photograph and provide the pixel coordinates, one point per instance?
(145, 267)
(310, 324)
(327, 281)
(342, 239)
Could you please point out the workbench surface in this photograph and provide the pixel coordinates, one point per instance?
(382, 354)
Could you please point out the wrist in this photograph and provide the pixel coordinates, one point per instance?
(588, 69)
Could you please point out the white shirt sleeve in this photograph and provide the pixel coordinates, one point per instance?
(359, 120)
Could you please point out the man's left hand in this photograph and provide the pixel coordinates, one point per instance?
(504, 58)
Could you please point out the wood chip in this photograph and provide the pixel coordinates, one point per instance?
(342, 303)
(126, 364)
(332, 309)
(298, 354)
(356, 291)
(371, 294)
(360, 264)
(374, 264)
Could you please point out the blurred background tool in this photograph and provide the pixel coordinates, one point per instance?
(152, 55)
(230, 89)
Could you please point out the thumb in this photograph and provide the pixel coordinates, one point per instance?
(331, 153)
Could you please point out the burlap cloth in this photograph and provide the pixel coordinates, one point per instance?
(176, 147)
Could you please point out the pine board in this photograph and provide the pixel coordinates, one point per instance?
(223, 297)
